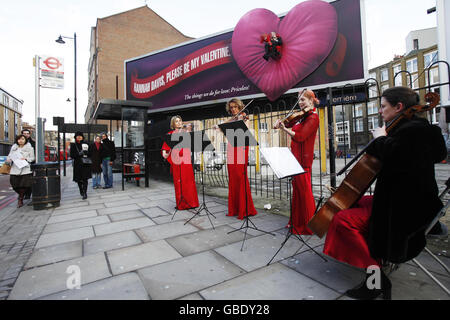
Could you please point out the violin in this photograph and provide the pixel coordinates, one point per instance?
(294, 116)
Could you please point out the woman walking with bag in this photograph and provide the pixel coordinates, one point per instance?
(80, 153)
(21, 154)
(97, 149)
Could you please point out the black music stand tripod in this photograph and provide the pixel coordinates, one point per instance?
(201, 143)
(292, 228)
(238, 135)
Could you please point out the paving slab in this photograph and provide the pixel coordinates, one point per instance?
(331, 273)
(180, 277)
(179, 215)
(118, 209)
(431, 264)
(163, 231)
(259, 250)
(203, 221)
(72, 216)
(55, 227)
(264, 222)
(42, 281)
(55, 238)
(141, 256)
(120, 203)
(154, 212)
(71, 204)
(124, 225)
(78, 209)
(194, 296)
(105, 200)
(126, 215)
(411, 283)
(52, 254)
(126, 286)
(205, 240)
(274, 282)
(110, 242)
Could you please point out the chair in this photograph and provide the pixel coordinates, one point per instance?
(439, 215)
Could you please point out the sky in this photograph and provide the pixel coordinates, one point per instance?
(31, 27)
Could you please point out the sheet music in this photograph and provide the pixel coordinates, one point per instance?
(282, 162)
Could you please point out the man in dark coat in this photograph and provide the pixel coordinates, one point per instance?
(405, 200)
(108, 157)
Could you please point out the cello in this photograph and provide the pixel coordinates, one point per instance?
(361, 176)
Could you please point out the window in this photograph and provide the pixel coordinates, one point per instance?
(5, 100)
(6, 123)
(373, 91)
(358, 110)
(397, 79)
(430, 58)
(434, 76)
(411, 65)
(384, 87)
(416, 44)
(358, 125)
(341, 126)
(16, 124)
(263, 127)
(415, 81)
(372, 108)
(384, 75)
(373, 122)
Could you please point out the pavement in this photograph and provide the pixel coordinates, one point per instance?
(129, 245)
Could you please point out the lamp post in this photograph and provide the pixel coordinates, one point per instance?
(60, 40)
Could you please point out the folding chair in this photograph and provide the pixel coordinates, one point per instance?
(392, 267)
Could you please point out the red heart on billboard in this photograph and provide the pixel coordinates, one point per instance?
(308, 34)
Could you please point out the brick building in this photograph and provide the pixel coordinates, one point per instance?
(10, 120)
(117, 38)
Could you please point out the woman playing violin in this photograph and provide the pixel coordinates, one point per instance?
(181, 169)
(303, 135)
(390, 225)
(237, 163)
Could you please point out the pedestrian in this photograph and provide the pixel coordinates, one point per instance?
(80, 153)
(96, 152)
(20, 174)
(27, 134)
(108, 157)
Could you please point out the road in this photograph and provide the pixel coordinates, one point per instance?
(7, 194)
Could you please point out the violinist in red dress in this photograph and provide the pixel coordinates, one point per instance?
(181, 169)
(237, 163)
(303, 135)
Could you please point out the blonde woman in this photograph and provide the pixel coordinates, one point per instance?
(181, 169)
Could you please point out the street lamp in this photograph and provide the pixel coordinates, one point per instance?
(61, 41)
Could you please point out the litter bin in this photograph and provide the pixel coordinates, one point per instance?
(46, 188)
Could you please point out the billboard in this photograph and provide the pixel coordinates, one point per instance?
(322, 46)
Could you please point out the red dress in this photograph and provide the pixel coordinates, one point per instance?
(183, 177)
(238, 186)
(346, 237)
(302, 146)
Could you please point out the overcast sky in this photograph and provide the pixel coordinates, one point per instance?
(31, 27)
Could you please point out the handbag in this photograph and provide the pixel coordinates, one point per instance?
(86, 161)
(83, 159)
(5, 168)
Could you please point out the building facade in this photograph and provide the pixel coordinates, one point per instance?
(10, 120)
(415, 69)
(115, 39)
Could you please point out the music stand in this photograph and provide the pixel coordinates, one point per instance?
(174, 143)
(238, 135)
(285, 165)
(201, 143)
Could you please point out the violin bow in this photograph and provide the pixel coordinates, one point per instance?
(235, 117)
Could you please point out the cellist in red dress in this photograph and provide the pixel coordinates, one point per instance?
(303, 136)
(181, 169)
(237, 163)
